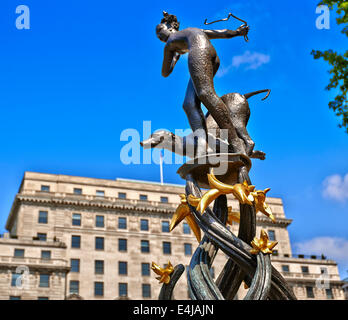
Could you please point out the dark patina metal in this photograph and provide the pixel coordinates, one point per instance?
(230, 112)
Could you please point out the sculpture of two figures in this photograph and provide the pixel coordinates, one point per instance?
(219, 137)
(229, 113)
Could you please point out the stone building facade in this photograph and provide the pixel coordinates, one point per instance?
(84, 238)
(345, 288)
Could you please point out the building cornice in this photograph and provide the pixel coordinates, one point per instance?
(133, 205)
(34, 264)
(94, 202)
(312, 281)
(303, 260)
(33, 243)
(119, 183)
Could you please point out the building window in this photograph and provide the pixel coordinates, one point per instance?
(122, 223)
(309, 291)
(271, 235)
(144, 225)
(76, 219)
(74, 265)
(44, 280)
(75, 242)
(188, 249)
(329, 294)
(146, 288)
(187, 229)
(42, 298)
(275, 253)
(42, 236)
(165, 226)
(122, 244)
(122, 289)
(122, 195)
(304, 269)
(15, 298)
(145, 269)
(143, 197)
(45, 254)
(74, 287)
(164, 199)
(78, 191)
(145, 246)
(167, 248)
(99, 243)
(45, 188)
(43, 217)
(122, 268)
(15, 277)
(100, 193)
(99, 289)
(285, 268)
(99, 267)
(18, 253)
(99, 221)
(323, 271)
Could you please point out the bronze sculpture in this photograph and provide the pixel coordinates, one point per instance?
(249, 256)
(203, 63)
(238, 107)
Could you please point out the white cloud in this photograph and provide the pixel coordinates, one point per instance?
(336, 187)
(223, 70)
(333, 248)
(251, 61)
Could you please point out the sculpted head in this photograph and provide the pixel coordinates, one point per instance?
(169, 24)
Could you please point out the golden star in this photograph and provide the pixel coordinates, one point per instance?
(242, 191)
(263, 244)
(183, 212)
(164, 273)
(261, 205)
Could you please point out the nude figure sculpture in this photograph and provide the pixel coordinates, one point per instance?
(203, 64)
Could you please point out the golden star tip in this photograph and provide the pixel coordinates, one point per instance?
(242, 191)
(183, 212)
(260, 203)
(262, 244)
(164, 273)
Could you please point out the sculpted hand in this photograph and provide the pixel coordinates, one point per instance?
(175, 59)
(243, 30)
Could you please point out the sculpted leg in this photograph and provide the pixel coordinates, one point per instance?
(243, 134)
(202, 78)
(192, 108)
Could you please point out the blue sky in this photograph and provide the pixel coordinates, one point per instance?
(86, 71)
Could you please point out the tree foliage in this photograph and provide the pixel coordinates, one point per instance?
(339, 63)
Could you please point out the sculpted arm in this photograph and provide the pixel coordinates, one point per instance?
(170, 58)
(226, 33)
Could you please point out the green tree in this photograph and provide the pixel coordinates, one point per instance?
(339, 63)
